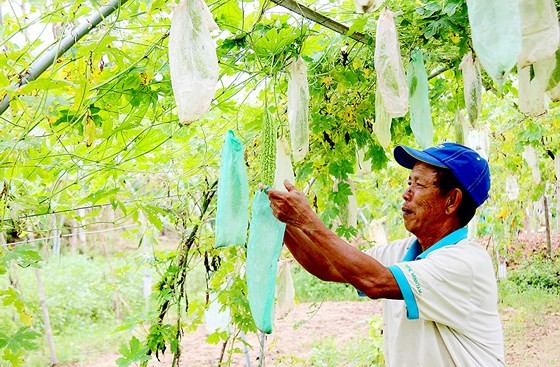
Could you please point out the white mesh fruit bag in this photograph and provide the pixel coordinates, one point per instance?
(496, 35)
(389, 67)
(298, 108)
(193, 62)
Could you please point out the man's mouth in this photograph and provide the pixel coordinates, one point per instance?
(406, 211)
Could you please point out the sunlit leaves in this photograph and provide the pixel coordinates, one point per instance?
(133, 353)
(274, 41)
(23, 339)
(228, 15)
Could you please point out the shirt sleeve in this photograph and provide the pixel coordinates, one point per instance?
(389, 254)
(438, 287)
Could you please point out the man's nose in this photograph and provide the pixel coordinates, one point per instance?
(407, 193)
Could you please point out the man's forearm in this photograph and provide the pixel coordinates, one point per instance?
(354, 267)
(309, 256)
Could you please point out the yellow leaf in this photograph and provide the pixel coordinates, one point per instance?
(25, 318)
(89, 130)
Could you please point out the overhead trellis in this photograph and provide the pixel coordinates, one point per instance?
(60, 47)
(103, 130)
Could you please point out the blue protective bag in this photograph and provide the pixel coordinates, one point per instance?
(232, 214)
(266, 234)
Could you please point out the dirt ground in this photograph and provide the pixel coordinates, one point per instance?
(533, 341)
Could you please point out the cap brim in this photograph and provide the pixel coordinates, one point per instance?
(408, 157)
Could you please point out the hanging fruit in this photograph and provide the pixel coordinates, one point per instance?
(232, 213)
(388, 65)
(298, 108)
(193, 62)
(496, 35)
(539, 31)
(420, 115)
(382, 127)
(472, 84)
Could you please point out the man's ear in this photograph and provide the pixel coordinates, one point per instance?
(454, 198)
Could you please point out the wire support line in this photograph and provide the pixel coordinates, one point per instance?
(94, 206)
(68, 235)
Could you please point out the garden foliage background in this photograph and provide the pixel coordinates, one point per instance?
(94, 145)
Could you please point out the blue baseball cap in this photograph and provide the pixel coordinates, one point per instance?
(470, 169)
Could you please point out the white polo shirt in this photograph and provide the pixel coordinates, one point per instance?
(449, 315)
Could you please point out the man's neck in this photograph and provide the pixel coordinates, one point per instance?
(429, 239)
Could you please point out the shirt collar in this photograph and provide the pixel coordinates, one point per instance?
(414, 252)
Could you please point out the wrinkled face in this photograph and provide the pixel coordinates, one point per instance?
(424, 204)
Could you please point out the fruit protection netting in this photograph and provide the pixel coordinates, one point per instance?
(193, 62)
(298, 108)
(266, 234)
(496, 35)
(420, 115)
(232, 214)
(388, 64)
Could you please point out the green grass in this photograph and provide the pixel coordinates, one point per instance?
(80, 293)
(311, 289)
(362, 351)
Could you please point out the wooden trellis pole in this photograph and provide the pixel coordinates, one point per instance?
(42, 63)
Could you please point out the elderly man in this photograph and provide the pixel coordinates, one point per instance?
(438, 287)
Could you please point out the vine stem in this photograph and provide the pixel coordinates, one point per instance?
(177, 283)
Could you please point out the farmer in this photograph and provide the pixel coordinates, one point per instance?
(438, 287)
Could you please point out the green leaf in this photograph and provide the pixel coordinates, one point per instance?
(152, 214)
(25, 255)
(98, 195)
(133, 353)
(346, 231)
(378, 157)
(15, 359)
(358, 25)
(273, 42)
(22, 340)
(555, 77)
(229, 15)
(341, 168)
(44, 84)
(451, 8)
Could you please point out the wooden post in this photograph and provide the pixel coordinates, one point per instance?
(46, 319)
(547, 223)
(44, 308)
(73, 237)
(56, 235)
(81, 234)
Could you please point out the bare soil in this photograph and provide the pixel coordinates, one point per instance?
(530, 340)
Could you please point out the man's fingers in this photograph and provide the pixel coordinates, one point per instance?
(289, 186)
